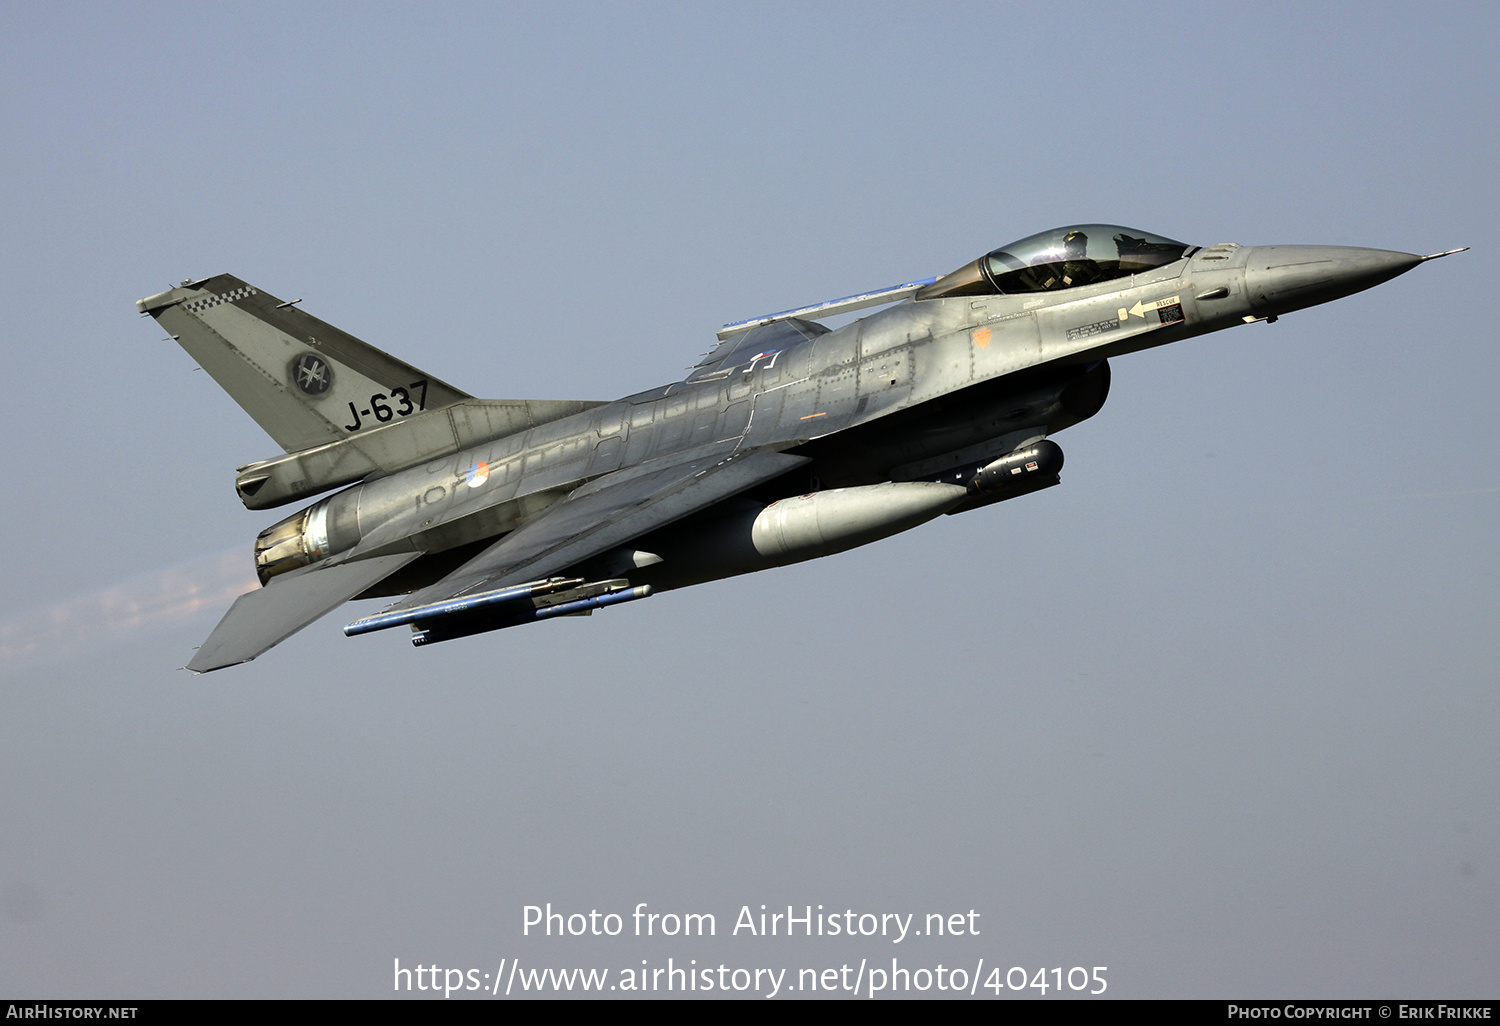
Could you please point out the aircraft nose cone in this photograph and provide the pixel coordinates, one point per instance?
(1280, 279)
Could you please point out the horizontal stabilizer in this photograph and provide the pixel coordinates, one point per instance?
(263, 618)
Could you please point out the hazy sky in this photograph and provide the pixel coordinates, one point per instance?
(1219, 713)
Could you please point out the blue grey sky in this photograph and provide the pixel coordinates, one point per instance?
(1219, 713)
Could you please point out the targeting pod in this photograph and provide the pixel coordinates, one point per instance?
(1020, 471)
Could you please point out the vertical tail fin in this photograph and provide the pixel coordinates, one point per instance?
(303, 380)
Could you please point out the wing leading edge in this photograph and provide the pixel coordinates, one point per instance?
(604, 515)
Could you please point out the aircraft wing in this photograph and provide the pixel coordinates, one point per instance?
(605, 514)
(262, 618)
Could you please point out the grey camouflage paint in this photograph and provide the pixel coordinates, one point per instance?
(926, 391)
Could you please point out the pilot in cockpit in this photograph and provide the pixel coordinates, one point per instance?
(1076, 268)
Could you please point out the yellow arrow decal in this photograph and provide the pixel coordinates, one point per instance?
(1140, 308)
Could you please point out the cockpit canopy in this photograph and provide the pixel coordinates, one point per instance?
(1063, 258)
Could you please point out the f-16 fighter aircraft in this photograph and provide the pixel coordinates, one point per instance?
(788, 441)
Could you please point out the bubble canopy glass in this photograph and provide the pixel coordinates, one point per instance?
(1063, 258)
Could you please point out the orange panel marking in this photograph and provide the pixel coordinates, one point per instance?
(982, 338)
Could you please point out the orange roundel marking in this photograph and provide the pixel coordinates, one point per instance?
(982, 338)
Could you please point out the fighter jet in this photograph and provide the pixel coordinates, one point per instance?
(786, 442)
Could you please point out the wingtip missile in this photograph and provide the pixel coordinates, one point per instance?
(832, 307)
(469, 604)
(467, 626)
